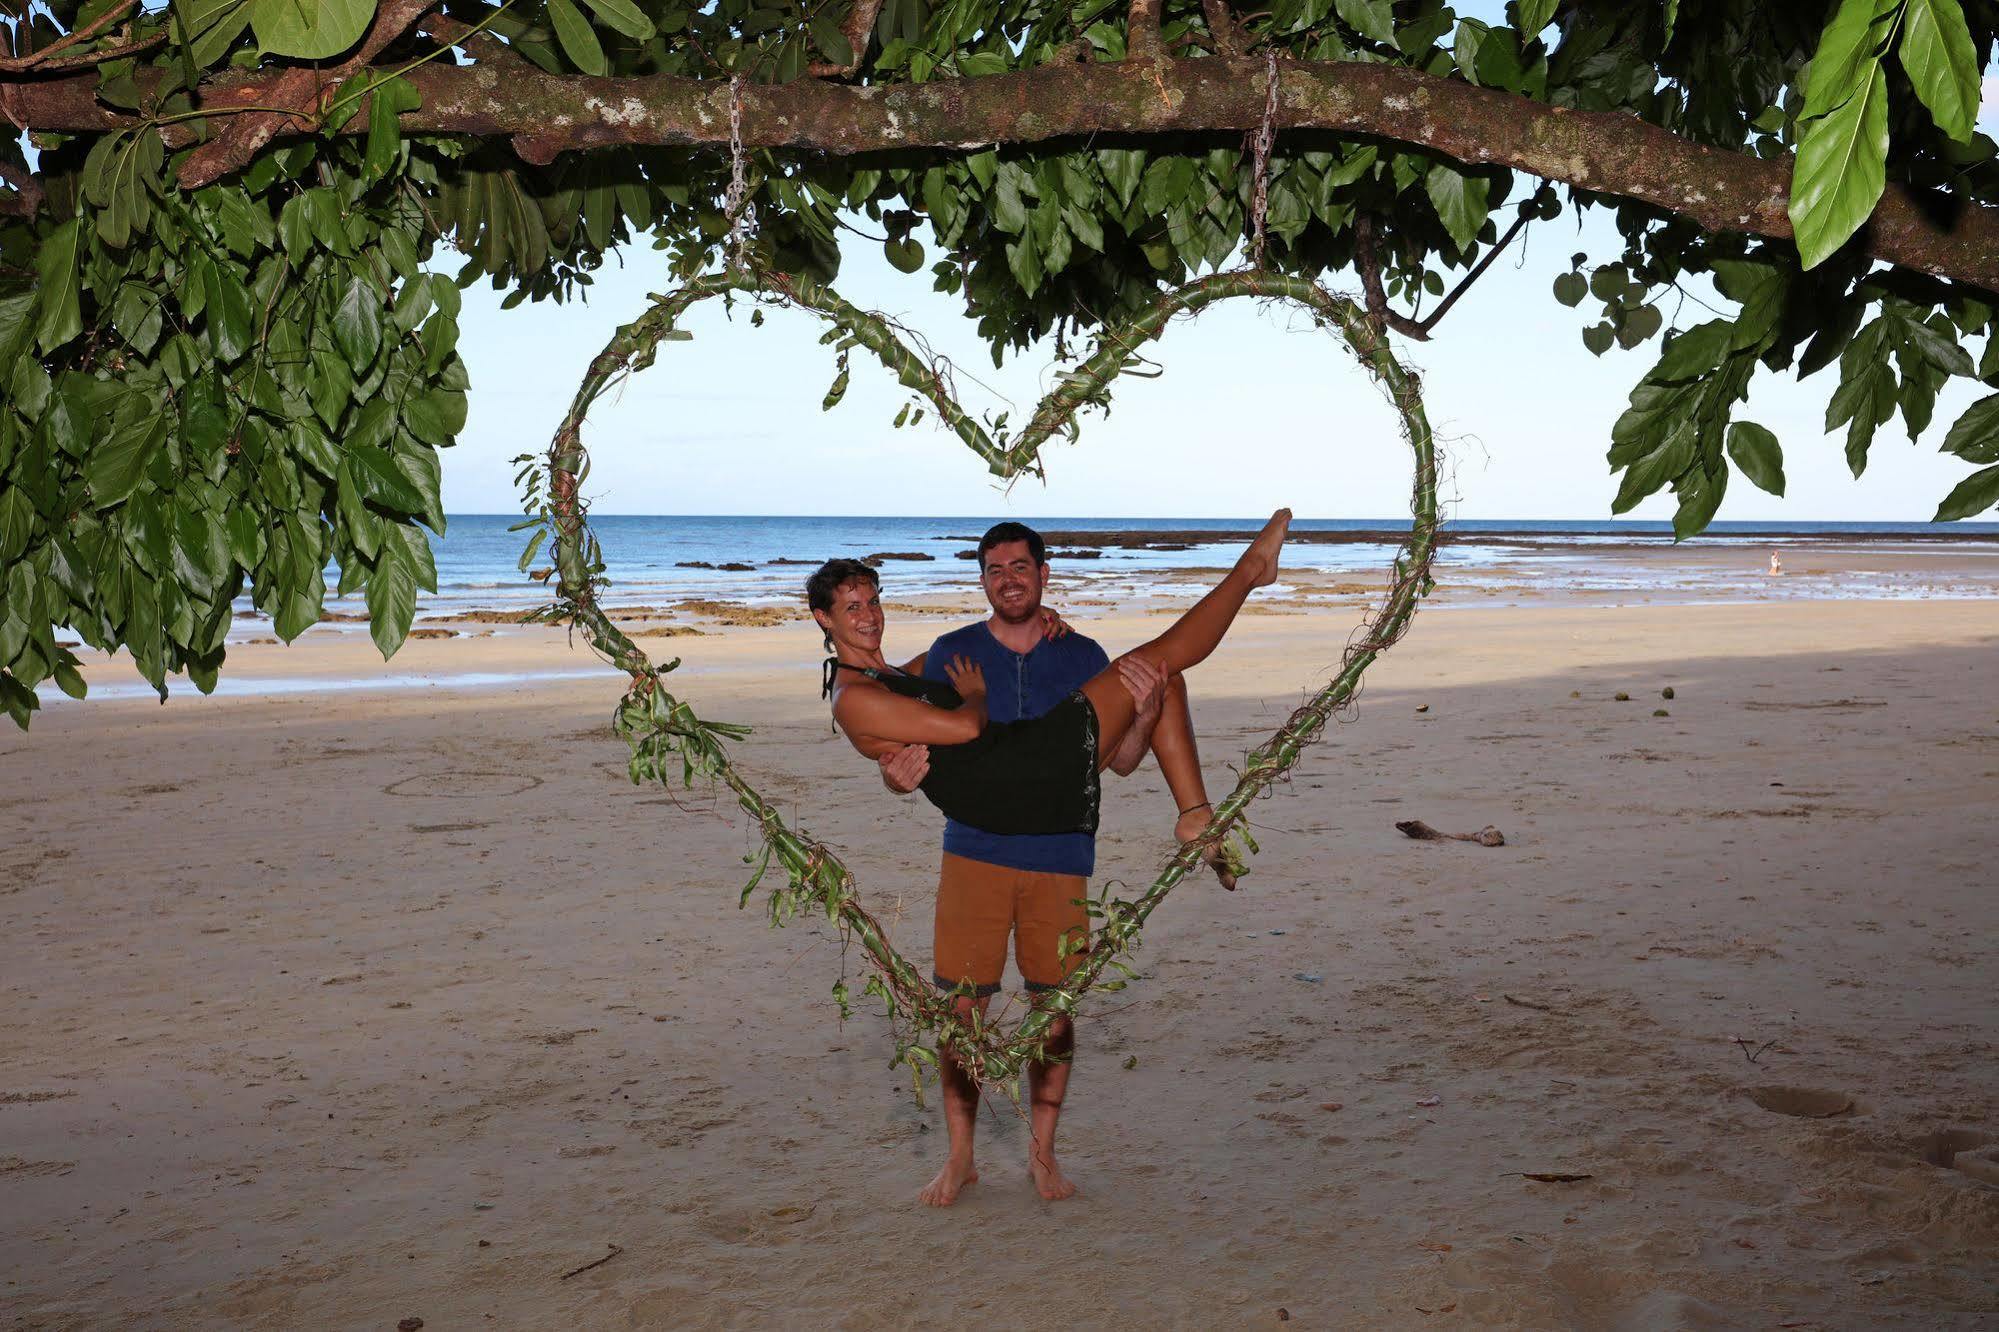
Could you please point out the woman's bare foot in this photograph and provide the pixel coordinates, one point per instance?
(1049, 1181)
(950, 1182)
(1261, 557)
(1189, 826)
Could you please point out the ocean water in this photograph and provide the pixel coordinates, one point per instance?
(649, 558)
(652, 561)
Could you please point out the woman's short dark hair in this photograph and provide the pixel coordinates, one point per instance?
(833, 575)
(1001, 533)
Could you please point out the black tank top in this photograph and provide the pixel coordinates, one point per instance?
(934, 692)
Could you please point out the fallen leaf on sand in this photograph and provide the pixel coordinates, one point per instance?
(1552, 1176)
(1431, 1100)
(1433, 1246)
(1331, 1105)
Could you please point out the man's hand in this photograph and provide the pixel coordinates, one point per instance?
(967, 677)
(904, 769)
(1147, 685)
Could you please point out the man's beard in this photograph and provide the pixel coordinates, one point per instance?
(1028, 609)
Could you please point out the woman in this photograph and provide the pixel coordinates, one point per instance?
(1033, 776)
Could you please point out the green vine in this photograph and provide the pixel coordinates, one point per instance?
(666, 735)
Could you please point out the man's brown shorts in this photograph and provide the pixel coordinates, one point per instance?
(978, 904)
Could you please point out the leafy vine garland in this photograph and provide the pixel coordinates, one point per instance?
(665, 734)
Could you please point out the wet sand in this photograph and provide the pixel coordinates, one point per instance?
(341, 1007)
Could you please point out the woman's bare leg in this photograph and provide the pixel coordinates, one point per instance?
(1180, 762)
(1189, 640)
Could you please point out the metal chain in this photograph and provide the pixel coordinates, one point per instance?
(737, 201)
(1266, 134)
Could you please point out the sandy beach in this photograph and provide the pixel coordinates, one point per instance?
(333, 1007)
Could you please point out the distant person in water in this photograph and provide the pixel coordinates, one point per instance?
(1776, 565)
(1025, 785)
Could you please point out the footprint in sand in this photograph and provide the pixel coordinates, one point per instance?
(464, 785)
(1971, 1152)
(1803, 1102)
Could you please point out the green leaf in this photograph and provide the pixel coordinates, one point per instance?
(1974, 436)
(1459, 201)
(378, 481)
(578, 38)
(625, 17)
(57, 292)
(905, 254)
(1939, 349)
(1538, 14)
(1598, 338)
(1570, 288)
(229, 318)
(831, 41)
(391, 598)
(17, 522)
(387, 100)
(1975, 494)
(1694, 352)
(30, 384)
(115, 464)
(1937, 54)
(246, 535)
(310, 29)
(836, 391)
(213, 26)
(1369, 18)
(1840, 170)
(1758, 454)
(1849, 48)
(357, 324)
(435, 416)
(1700, 495)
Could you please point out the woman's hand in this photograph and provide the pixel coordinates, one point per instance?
(1053, 625)
(967, 677)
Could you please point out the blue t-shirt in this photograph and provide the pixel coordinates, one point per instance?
(1021, 685)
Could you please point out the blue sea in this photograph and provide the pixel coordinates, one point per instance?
(654, 561)
(651, 559)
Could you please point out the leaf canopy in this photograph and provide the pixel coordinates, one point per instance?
(231, 350)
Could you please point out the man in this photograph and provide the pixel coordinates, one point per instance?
(1032, 886)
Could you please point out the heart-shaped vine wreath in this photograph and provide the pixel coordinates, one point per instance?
(664, 733)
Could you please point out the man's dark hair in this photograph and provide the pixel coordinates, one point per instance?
(1001, 533)
(833, 575)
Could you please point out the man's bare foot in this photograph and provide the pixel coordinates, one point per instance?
(1261, 557)
(950, 1182)
(1189, 826)
(1049, 1181)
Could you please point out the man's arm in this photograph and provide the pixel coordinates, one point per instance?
(1147, 684)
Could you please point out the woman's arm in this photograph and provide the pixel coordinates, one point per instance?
(914, 666)
(867, 713)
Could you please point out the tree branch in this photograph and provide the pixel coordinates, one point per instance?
(1478, 270)
(1607, 153)
(1141, 35)
(308, 90)
(858, 30)
(1368, 264)
(42, 59)
(1221, 26)
(26, 200)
